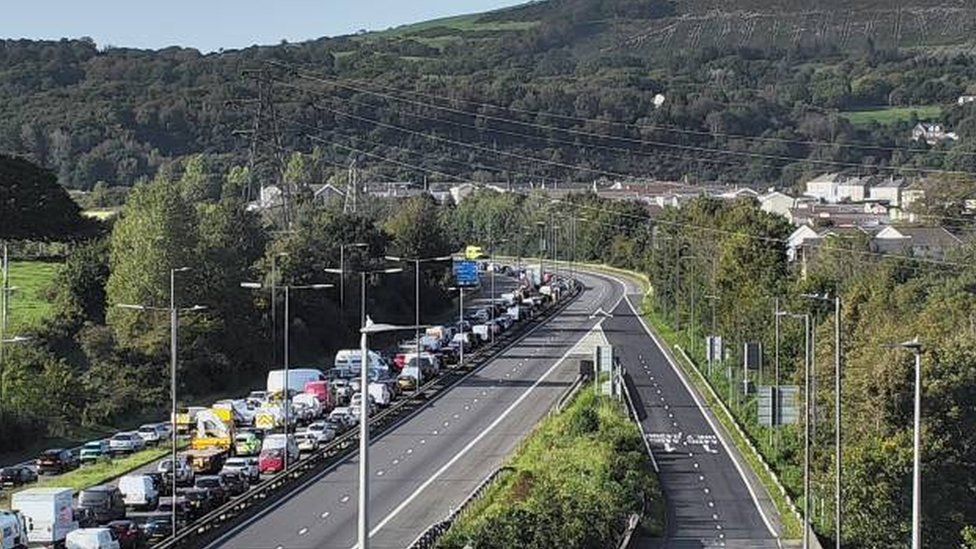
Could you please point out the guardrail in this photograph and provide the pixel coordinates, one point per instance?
(209, 527)
(429, 538)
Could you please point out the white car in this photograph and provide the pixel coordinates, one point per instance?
(91, 538)
(322, 432)
(126, 443)
(306, 442)
(343, 416)
(248, 467)
(153, 434)
(355, 405)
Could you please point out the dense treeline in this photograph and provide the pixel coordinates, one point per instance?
(116, 115)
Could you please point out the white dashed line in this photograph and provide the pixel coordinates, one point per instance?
(380, 473)
(325, 514)
(344, 499)
(303, 531)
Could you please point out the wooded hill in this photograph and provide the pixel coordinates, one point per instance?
(769, 82)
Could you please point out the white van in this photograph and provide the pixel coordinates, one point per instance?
(91, 538)
(138, 491)
(381, 394)
(47, 513)
(297, 378)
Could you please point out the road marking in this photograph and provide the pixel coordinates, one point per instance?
(344, 498)
(409, 450)
(325, 515)
(396, 461)
(303, 531)
(380, 473)
(406, 502)
(704, 412)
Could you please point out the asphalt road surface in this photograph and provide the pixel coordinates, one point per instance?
(710, 503)
(436, 457)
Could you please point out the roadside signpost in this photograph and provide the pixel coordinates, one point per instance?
(466, 273)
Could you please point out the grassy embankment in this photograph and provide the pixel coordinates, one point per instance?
(96, 473)
(573, 483)
(891, 115)
(29, 305)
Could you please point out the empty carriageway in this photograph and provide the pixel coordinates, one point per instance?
(432, 460)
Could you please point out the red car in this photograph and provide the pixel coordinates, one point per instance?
(271, 461)
(399, 361)
(127, 532)
(322, 391)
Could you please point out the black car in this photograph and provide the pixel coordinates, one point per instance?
(17, 475)
(85, 517)
(201, 500)
(235, 482)
(184, 510)
(215, 485)
(56, 461)
(158, 528)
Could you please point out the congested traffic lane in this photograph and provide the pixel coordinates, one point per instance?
(429, 463)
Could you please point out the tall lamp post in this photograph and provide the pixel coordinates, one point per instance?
(838, 452)
(915, 347)
(369, 328)
(416, 265)
(174, 318)
(286, 353)
(712, 298)
(806, 422)
(342, 271)
(460, 290)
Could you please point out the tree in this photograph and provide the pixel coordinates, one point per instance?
(33, 206)
(199, 182)
(417, 229)
(156, 232)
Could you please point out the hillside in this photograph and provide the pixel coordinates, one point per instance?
(765, 79)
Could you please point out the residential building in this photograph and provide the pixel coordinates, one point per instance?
(823, 187)
(964, 99)
(932, 134)
(777, 203)
(888, 191)
(852, 189)
(327, 194)
(927, 242)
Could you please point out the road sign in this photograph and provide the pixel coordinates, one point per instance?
(466, 273)
(752, 356)
(767, 405)
(789, 406)
(714, 348)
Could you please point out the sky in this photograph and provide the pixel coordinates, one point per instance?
(210, 25)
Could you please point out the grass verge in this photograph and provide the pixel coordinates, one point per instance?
(891, 115)
(28, 304)
(573, 483)
(87, 476)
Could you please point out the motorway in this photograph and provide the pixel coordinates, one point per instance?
(710, 504)
(436, 457)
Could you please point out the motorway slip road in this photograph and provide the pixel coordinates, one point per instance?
(710, 502)
(436, 457)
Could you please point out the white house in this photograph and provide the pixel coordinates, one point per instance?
(963, 99)
(823, 187)
(462, 191)
(888, 190)
(853, 189)
(327, 194)
(778, 203)
(932, 134)
(271, 197)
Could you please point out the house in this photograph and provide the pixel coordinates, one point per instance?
(912, 193)
(777, 203)
(888, 191)
(963, 99)
(928, 242)
(804, 242)
(462, 191)
(853, 189)
(932, 134)
(327, 194)
(271, 197)
(823, 187)
(838, 215)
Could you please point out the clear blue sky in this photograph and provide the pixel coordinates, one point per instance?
(209, 25)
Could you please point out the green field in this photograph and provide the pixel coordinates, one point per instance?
(28, 304)
(892, 115)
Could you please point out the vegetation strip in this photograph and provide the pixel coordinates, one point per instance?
(575, 480)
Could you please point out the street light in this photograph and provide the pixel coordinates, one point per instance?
(916, 349)
(174, 313)
(342, 271)
(287, 391)
(274, 306)
(713, 298)
(369, 327)
(417, 262)
(460, 290)
(838, 453)
(806, 421)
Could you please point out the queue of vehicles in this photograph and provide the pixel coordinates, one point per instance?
(236, 441)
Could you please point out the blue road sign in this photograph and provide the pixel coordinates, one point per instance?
(466, 273)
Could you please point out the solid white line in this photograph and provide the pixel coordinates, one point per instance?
(701, 407)
(403, 505)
